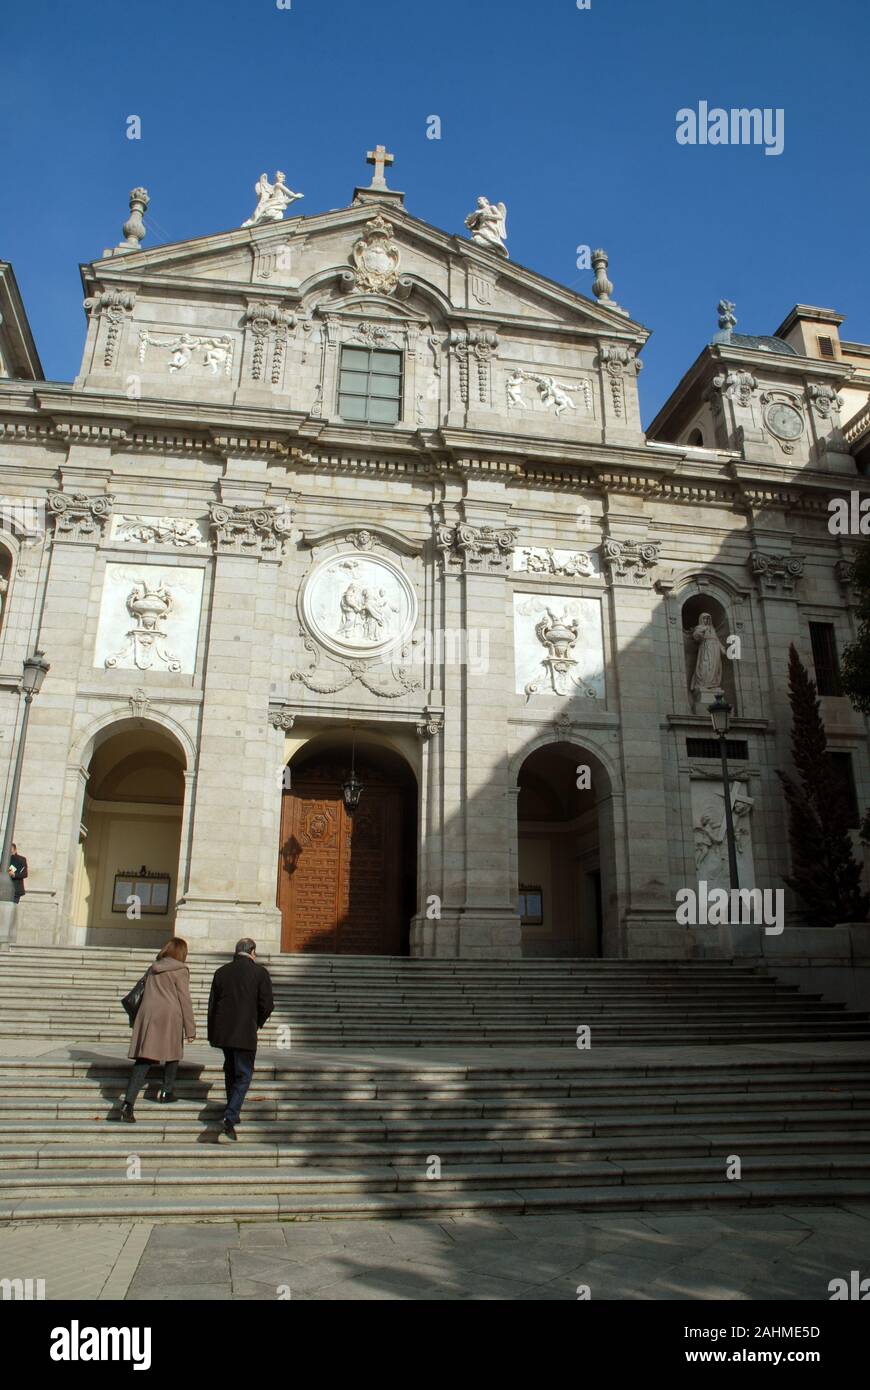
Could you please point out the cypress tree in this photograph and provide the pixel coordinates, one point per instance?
(825, 874)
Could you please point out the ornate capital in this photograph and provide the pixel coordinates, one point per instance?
(776, 573)
(78, 517)
(483, 549)
(431, 725)
(253, 531)
(629, 561)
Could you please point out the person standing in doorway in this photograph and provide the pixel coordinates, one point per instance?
(17, 872)
(239, 1004)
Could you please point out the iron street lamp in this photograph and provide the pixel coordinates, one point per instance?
(720, 714)
(36, 669)
(352, 787)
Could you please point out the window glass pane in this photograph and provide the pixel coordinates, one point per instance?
(385, 386)
(352, 407)
(383, 412)
(357, 358)
(390, 362)
(357, 382)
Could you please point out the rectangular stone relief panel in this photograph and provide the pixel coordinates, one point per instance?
(149, 618)
(532, 390)
(558, 646)
(711, 843)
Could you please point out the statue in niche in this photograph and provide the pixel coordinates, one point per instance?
(488, 225)
(707, 677)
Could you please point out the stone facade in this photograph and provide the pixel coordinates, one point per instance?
(227, 564)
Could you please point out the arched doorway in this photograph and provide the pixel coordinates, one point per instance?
(347, 880)
(127, 872)
(563, 878)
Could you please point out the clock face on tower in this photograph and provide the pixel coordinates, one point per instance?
(784, 421)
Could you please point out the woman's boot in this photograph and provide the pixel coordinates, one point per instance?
(166, 1097)
(127, 1113)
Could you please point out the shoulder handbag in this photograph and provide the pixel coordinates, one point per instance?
(132, 1001)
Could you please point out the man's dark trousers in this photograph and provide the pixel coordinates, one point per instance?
(238, 1074)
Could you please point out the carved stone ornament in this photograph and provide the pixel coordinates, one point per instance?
(149, 605)
(845, 572)
(176, 531)
(629, 560)
(250, 530)
(359, 605)
(139, 704)
(78, 517)
(570, 632)
(282, 717)
(479, 345)
(737, 386)
(776, 572)
(552, 394)
(618, 361)
(825, 399)
(376, 257)
(268, 323)
(114, 306)
(570, 564)
(476, 548)
(183, 349)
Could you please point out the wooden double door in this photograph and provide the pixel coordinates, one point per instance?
(342, 885)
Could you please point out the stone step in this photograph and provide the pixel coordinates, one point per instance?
(252, 1153)
(135, 1205)
(457, 1177)
(271, 1105)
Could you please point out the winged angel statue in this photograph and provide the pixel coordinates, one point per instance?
(488, 225)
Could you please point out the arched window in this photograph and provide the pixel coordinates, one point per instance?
(5, 583)
(696, 438)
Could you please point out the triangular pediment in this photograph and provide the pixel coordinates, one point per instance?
(347, 256)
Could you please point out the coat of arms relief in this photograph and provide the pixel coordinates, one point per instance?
(376, 257)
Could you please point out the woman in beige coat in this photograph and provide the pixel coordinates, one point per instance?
(165, 1019)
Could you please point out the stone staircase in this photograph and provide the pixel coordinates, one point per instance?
(373, 1001)
(427, 1088)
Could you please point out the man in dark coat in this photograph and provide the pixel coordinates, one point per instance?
(239, 1004)
(17, 872)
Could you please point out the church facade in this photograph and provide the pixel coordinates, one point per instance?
(376, 622)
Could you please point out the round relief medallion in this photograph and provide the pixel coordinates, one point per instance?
(784, 421)
(358, 605)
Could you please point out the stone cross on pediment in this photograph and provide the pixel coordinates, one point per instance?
(379, 158)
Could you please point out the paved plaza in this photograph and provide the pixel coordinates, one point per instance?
(785, 1253)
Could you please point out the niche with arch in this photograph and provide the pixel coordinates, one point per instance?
(706, 627)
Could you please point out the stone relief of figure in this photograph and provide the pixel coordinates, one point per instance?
(515, 390)
(707, 676)
(351, 604)
(376, 612)
(488, 225)
(711, 837)
(555, 393)
(273, 200)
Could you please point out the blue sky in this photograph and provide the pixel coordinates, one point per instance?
(567, 115)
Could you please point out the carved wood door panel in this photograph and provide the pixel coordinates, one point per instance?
(339, 884)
